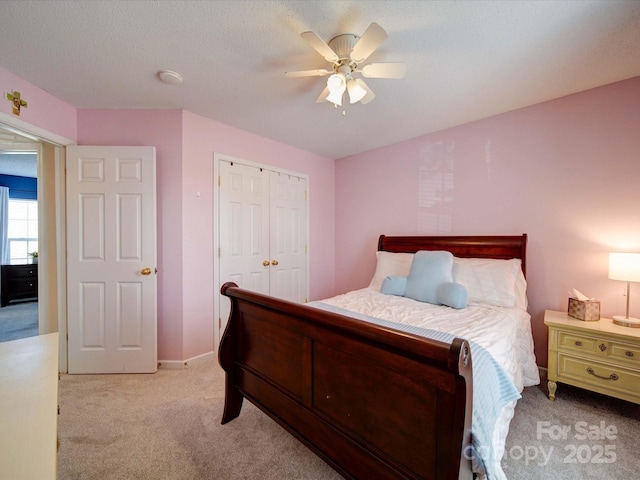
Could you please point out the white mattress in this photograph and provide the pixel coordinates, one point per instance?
(503, 332)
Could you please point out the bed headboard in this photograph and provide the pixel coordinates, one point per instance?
(501, 247)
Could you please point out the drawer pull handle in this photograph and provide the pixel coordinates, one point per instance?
(578, 343)
(613, 376)
(629, 354)
(602, 347)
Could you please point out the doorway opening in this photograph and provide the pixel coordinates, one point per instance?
(50, 147)
(19, 316)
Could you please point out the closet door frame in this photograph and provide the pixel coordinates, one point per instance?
(217, 158)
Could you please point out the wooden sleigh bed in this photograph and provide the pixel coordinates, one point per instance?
(372, 401)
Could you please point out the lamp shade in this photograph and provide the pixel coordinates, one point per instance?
(624, 266)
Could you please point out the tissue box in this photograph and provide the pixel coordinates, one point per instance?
(589, 310)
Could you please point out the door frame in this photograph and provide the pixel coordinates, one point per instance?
(217, 158)
(59, 142)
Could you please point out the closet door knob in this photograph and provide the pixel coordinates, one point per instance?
(265, 263)
(145, 271)
(274, 262)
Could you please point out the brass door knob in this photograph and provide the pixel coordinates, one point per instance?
(265, 263)
(145, 271)
(274, 262)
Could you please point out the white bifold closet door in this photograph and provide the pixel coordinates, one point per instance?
(262, 232)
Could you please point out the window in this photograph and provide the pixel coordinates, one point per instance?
(23, 230)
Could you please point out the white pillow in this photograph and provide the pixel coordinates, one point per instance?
(389, 263)
(491, 281)
(521, 291)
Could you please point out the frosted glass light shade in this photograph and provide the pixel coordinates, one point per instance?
(337, 84)
(624, 266)
(335, 97)
(356, 92)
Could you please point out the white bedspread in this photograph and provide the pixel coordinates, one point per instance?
(504, 332)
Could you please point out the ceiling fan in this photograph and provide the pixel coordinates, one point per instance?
(346, 53)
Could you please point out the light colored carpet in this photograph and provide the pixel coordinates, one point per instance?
(18, 320)
(579, 436)
(167, 426)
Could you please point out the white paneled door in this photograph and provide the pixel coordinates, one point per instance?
(244, 226)
(262, 232)
(287, 237)
(111, 259)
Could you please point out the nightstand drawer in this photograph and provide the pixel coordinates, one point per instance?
(606, 377)
(25, 284)
(570, 340)
(626, 352)
(22, 271)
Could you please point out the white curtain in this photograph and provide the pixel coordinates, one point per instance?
(4, 225)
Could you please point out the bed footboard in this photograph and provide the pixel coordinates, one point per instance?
(371, 401)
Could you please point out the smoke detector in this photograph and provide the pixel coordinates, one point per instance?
(170, 77)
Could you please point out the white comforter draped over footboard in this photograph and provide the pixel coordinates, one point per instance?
(504, 332)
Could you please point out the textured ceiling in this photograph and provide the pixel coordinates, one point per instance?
(466, 60)
(17, 155)
(22, 165)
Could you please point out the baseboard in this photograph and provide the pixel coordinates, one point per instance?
(180, 364)
(543, 372)
(200, 359)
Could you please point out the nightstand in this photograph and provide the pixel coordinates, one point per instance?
(18, 282)
(598, 356)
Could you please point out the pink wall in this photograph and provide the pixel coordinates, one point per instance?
(567, 172)
(163, 130)
(43, 110)
(185, 144)
(201, 138)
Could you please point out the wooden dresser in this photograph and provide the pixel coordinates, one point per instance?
(18, 282)
(599, 356)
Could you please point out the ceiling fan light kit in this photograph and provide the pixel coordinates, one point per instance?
(345, 53)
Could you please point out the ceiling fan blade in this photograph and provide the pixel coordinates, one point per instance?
(308, 73)
(371, 39)
(384, 70)
(320, 46)
(369, 96)
(323, 95)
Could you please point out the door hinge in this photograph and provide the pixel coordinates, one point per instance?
(219, 180)
(306, 195)
(219, 252)
(219, 323)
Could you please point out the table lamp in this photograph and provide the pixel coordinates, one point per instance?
(625, 267)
